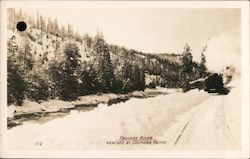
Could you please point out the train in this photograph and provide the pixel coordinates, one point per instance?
(211, 84)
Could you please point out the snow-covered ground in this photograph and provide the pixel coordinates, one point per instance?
(214, 124)
(54, 105)
(191, 120)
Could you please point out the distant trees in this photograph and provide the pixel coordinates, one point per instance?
(58, 70)
(12, 19)
(129, 69)
(24, 79)
(133, 78)
(63, 31)
(67, 76)
(52, 27)
(88, 40)
(44, 25)
(69, 31)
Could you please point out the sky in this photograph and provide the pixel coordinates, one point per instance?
(161, 30)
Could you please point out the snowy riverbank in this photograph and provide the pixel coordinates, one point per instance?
(31, 108)
(92, 129)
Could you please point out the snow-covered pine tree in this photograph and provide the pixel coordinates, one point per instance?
(141, 86)
(88, 40)
(15, 79)
(70, 65)
(203, 68)
(105, 72)
(128, 75)
(24, 53)
(87, 79)
(186, 68)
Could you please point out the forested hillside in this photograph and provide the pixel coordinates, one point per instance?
(49, 61)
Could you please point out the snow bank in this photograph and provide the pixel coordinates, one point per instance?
(34, 107)
(29, 107)
(138, 94)
(91, 130)
(163, 90)
(95, 99)
(150, 78)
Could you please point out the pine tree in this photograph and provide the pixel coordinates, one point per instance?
(49, 26)
(203, 68)
(63, 31)
(127, 77)
(136, 77)
(88, 40)
(70, 65)
(37, 86)
(42, 23)
(87, 79)
(15, 79)
(103, 66)
(38, 21)
(25, 56)
(141, 85)
(30, 22)
(15, 83)
(69, 31)
(56, 76)
(186, 68)
(55, 28)
(64, 73)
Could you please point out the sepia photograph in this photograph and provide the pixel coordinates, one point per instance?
(124, 78)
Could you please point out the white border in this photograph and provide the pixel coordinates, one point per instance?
(243, 5)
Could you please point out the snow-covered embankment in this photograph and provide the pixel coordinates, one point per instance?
(91, 130)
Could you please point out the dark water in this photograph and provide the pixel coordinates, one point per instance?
(43, 117)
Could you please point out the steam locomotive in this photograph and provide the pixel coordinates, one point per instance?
(211, 84)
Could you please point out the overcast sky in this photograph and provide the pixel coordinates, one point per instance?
(159, 30)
